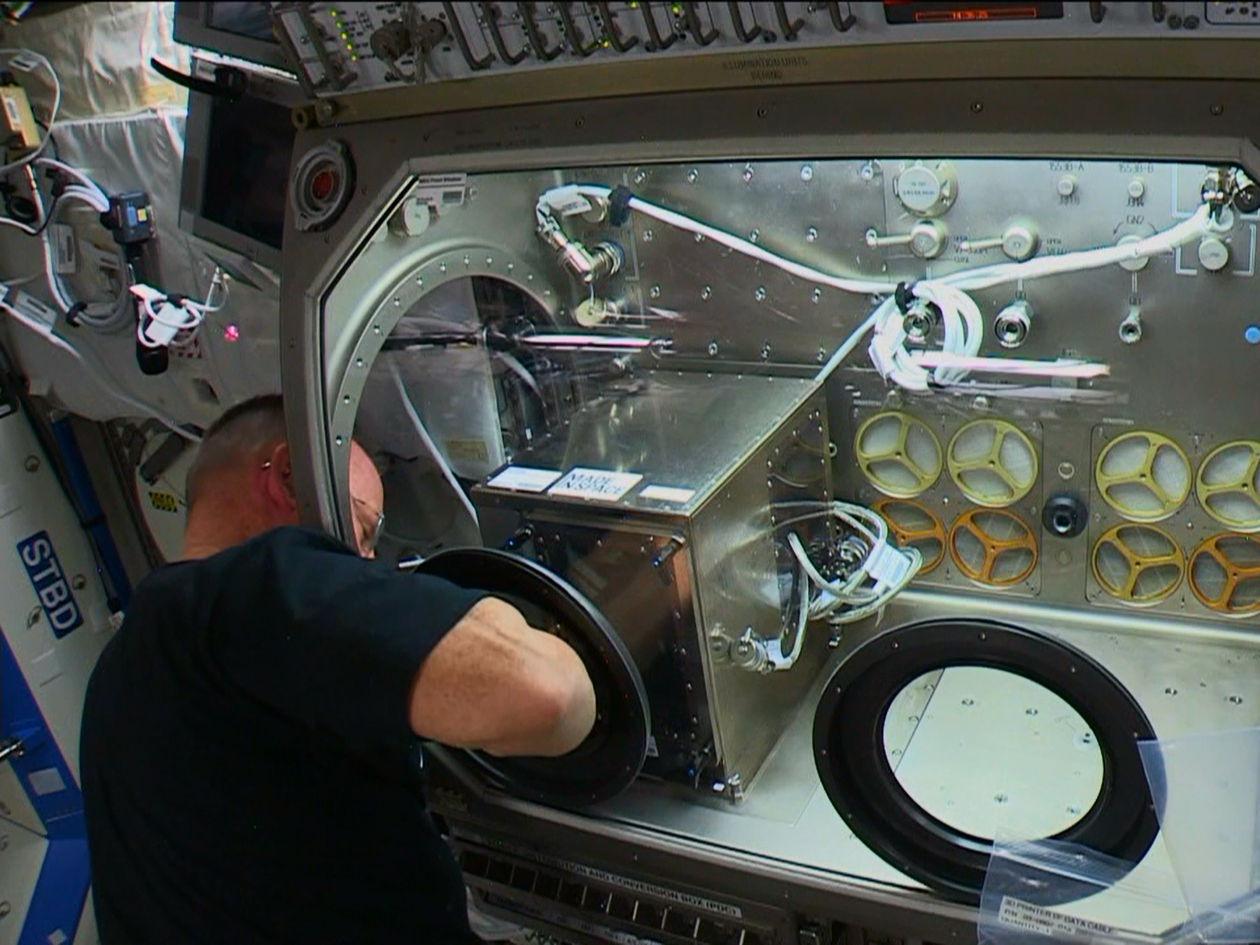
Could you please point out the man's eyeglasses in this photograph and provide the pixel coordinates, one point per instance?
(373, 535)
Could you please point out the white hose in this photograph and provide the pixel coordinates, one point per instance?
(961, 317)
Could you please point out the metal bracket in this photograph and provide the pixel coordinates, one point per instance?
(11, 748)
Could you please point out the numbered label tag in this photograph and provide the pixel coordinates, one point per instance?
(595, 484)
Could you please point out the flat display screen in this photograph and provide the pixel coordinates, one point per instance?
(248, 147)
(897, 12)
(243, 19)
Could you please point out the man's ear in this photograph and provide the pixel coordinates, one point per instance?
(279, 481)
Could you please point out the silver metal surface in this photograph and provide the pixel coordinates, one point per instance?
(806, 174)
(1187, 681)
(722, 447)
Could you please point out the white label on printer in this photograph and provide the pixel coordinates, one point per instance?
(595, 484)
(440, 190)
(524, 479)
(1024, 915)
(667, 494)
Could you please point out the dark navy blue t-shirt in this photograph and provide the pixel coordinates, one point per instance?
(249, 772)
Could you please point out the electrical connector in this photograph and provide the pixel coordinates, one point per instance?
(129, 218)
(17, 117)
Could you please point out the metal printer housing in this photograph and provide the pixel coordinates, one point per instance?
(685, 562)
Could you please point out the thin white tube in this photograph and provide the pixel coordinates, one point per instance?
(961, 316)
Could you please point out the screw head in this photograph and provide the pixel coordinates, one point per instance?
(31, 464)
(807, 173)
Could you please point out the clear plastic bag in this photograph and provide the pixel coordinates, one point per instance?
(1208, 799)
(1037, 891)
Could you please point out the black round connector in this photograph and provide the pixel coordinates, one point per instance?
(1064, 516)
(1247, 199)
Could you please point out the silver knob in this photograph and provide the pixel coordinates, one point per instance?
(1013, 324)
(1019, 242)
(926, 239)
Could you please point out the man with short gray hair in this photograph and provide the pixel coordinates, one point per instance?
(250, 750)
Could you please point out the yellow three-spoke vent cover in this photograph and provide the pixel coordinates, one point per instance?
(898, 454)
(1225, 574)
(1138, 564)
(993, 547)
(1228, 485)
(1144, 476)
(915, 525)
(993, 462)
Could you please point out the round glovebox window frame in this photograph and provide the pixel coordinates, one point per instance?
(613, 754)
(863, 788)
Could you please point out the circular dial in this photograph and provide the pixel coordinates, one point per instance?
(927, 190)
(321, 186)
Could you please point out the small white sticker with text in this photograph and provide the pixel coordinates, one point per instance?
(524, 479)
(667, 494)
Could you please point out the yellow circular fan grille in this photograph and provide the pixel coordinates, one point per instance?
(993, 462)
(914, 524)
(898, 454)
(1228, 485)
(1138, 564)
(1225, 574)
(1144, 476)
(993, 547)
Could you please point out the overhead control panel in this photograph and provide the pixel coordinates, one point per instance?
(347, 47)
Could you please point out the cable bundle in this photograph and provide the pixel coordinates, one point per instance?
(864, 587)
(963, 328)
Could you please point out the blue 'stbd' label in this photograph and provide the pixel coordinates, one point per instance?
(49, 581)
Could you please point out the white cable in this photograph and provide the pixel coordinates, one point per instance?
(52, 116)
(884, 571)
(113, 389)
(963, 323)
(1195, 226)
(729, 240)
(83, 179)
